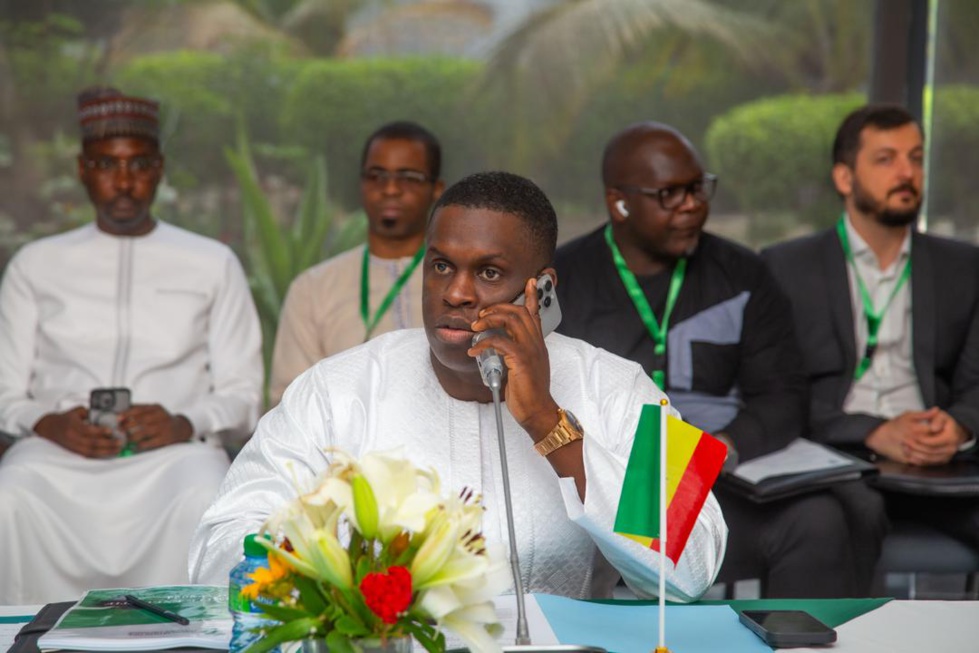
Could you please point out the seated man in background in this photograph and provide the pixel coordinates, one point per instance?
(489, 237)
(370, 290)
(888, 317)
(710, 325)
(126, 302)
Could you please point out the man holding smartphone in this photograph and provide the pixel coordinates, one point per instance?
(570, 411)
(153, 324)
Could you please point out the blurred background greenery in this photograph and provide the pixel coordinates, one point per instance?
(266, 104)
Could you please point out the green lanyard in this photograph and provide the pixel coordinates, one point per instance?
(873, 317)
(365, 290)
(642, 304)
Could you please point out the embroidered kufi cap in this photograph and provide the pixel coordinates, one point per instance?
(105, 112)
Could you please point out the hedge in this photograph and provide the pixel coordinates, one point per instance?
(774, 155)
(336, 104)
(955, 155)
(202, 95)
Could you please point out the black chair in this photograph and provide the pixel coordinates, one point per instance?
(913, 548)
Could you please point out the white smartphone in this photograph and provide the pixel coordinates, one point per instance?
(550, 318)
(550, 311)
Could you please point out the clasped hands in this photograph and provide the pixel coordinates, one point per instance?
(921, 437)
(147, 426)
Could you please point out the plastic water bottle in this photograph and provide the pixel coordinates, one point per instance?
(248, 619)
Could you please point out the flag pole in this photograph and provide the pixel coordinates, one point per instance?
(664, 407)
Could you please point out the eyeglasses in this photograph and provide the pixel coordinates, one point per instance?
(672, 197)
(405, 178)
(140, 166)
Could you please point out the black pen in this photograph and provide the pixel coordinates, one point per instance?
(157, 610)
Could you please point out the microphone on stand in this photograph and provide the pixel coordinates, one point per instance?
(493, 371)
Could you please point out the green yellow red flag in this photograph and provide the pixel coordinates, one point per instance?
(693, 461)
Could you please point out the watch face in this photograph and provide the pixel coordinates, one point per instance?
(575, 424)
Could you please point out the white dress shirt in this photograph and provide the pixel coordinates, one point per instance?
(889, 387)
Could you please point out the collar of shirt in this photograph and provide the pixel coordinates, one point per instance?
(866, 257)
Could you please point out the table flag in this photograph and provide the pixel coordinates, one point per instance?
(693, 461)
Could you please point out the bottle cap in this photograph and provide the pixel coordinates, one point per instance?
(252, 546)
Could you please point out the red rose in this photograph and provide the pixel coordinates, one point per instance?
(387, 595)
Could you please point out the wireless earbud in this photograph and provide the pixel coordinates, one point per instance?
(620, 207)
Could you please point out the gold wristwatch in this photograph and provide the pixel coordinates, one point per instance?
(568, 430)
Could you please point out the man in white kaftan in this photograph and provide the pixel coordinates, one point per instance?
(411, 390)
(384, 395)
(156, 309)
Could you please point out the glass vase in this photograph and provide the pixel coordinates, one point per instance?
(365, 645)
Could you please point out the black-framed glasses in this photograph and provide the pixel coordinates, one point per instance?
(138, 165)
(671, 197)
(404, 178)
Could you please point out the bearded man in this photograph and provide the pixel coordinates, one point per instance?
(887, 317)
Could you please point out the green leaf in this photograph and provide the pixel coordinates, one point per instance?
(311, 595)
(271, 245)
(363, 568)
(283, 613)
(314, 217)
(355, 600)
(337, 642)
(428, 636)
(289, 632)
(351, 626)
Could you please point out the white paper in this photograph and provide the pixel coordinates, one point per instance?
(800, 456)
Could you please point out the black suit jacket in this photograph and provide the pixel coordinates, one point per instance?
(945, 328)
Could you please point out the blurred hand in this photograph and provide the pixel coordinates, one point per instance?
(926, 437)
(940, 443)
(72, 431)
(150, 426)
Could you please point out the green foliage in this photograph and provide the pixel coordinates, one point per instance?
(201, 94)
(685, 98)
(335, 105)
(773, 155)
(955, 155)
(275, 253)
(47, 61)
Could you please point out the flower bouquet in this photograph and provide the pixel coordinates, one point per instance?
(374, 553)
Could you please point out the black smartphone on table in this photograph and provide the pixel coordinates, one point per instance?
(787, 628)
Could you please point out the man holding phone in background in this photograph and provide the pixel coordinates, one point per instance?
(570, 415)
(153, 324)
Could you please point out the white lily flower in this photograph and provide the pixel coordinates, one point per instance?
(455, 575)
(403, 494)
(434, 552)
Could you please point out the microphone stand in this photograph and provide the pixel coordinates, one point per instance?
(492, 369)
